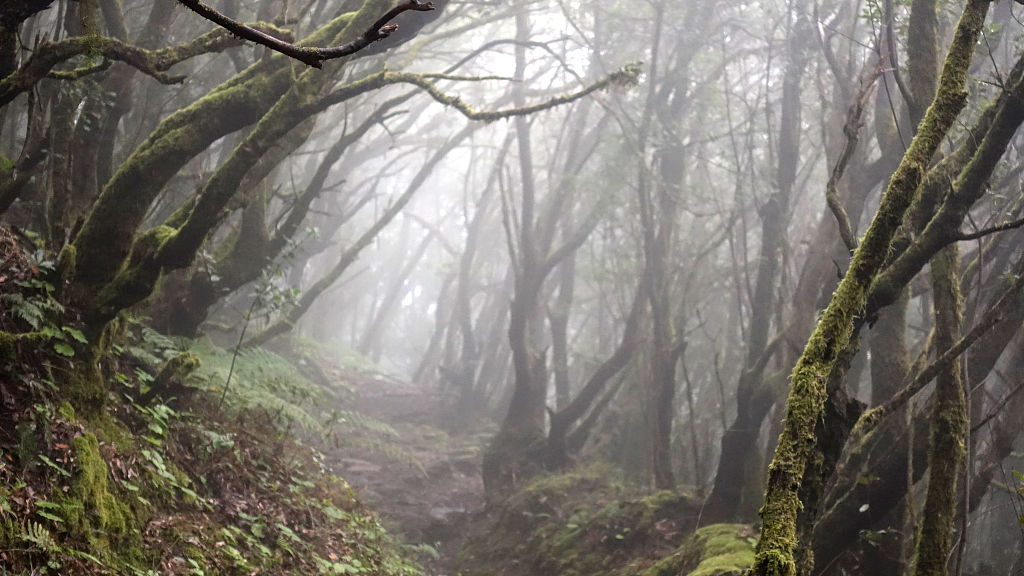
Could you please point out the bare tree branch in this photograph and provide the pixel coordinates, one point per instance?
(852, 132)
(994, 229)
(308, 55)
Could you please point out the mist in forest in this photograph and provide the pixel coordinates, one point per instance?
(530, 288)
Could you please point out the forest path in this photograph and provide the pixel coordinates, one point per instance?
(423, 482)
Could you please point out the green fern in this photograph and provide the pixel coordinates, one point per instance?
(37, 534)
(36, 311)
(265, 382)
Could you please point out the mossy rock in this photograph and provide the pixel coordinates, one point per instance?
(716, 550)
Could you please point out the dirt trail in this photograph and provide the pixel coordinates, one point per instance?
(427, 495)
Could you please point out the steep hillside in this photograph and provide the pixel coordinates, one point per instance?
(191, 460)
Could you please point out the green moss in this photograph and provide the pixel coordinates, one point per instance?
(66, 411)
(716, 550)
(177, 369)
(543, 527)
(668, 566)
(106, 235)
(28, 447)
(94, 512)
(112, 431)
(85, 391)
(9, 342)
(136, 279)
(90, 506)
(728, 549)
(9, 531)
(8, 347)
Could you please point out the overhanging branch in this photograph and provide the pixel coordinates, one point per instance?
(626, 76)
(155, 63)
(310, 56)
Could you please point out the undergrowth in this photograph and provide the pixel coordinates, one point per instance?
(584, 522)
(262, 381)
(156, 477)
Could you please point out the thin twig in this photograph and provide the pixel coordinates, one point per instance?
(238, 347)
(998, 407)
(985, 232)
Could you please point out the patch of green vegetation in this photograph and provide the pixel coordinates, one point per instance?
(579, 523)
(727, 549)
(111, 431)
(716, 550)
(133, 485)
(90, 508)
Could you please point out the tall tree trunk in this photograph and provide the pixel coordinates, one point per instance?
(754, 398)
(948, 424)
(509, 457)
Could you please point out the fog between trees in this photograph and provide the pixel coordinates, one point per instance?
(763, 255)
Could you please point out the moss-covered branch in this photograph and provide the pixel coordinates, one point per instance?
(627, 76)
(938, 215)
(255, 246)
(178, 244)
(155, 63)
(9, 342)
(808, 383)
(870, 419)
(107, 235)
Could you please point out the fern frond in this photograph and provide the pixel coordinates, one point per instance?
(37, 534)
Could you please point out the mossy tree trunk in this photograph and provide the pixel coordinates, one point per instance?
(884, 456)
(948, 424)
(938, 216)
(805, 406)
(932, 222)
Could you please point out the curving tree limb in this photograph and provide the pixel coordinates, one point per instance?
(155, 63)
(308, 55)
